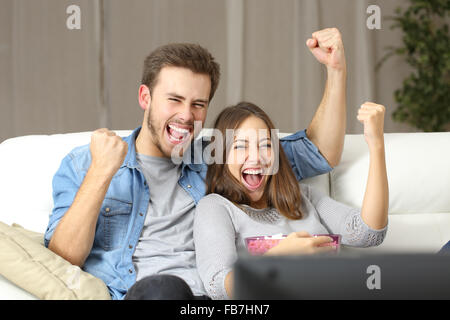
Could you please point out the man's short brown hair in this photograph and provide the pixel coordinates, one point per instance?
(185, 55)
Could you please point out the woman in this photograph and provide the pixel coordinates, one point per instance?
(255, 192)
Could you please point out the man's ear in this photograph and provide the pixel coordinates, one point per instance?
(144, 97)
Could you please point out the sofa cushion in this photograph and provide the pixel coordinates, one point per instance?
(28, 264)
(9, 291)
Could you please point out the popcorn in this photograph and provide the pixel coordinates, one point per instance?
(260, 244)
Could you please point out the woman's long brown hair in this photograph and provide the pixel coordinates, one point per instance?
(282, 189)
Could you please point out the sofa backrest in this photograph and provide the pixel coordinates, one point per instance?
(418, 167)
(27, 166)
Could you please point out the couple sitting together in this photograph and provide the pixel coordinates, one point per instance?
(154, 228)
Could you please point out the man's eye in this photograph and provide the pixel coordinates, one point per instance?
(199, 105)
(174, 99)
(239, 147)
(266, 146)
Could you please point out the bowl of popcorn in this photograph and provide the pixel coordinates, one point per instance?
(260, 244)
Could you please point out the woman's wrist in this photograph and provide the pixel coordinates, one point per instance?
(376, 146)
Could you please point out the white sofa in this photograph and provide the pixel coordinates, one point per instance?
(418, 167)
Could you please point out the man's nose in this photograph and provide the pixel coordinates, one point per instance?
(186, 114)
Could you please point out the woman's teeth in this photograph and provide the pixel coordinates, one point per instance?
(252, 171)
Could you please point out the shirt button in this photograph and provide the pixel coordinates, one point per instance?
(141, 214)
(189, 186)
(130, 246)
(107, 209)
(130, 271)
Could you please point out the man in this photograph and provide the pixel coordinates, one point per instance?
(124, 211)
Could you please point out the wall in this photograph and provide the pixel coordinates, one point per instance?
(55, 80)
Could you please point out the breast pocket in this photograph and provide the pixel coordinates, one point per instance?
(112, 224)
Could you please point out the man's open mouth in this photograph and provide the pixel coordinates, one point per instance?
(252, 178)
(178, 134)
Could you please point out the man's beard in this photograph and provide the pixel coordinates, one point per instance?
(156, 139)
(151, 125)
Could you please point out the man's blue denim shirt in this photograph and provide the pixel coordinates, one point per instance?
(124, 208)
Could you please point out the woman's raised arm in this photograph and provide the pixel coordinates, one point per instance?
(375, 205)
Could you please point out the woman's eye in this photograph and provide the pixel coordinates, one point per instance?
(239, 147)
(173, 99)
(266, 146)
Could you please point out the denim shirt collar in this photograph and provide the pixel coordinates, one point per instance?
(131, 161)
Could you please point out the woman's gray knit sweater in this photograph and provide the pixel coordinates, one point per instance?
(220, 229)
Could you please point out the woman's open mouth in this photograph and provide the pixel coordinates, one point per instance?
(252, 178)
(178, 134)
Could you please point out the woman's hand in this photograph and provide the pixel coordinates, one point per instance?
(301, 243)
(372, 116)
